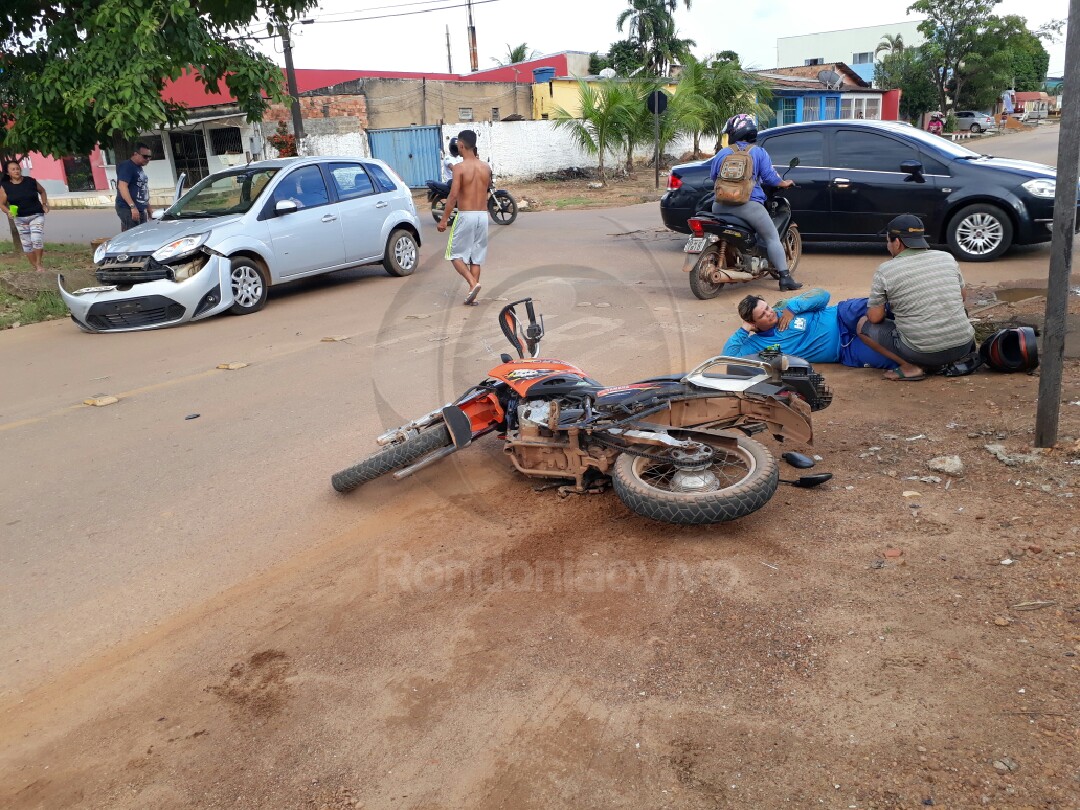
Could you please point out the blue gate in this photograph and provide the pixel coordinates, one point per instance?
(412, 152)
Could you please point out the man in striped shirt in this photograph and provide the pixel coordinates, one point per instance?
(925, 291)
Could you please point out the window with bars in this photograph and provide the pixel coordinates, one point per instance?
(226, 140)
(494, 113)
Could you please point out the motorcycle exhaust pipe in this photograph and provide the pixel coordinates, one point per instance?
(737, 275)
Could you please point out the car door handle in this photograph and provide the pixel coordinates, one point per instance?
(381, 204)
(841, 182)
(329, 218)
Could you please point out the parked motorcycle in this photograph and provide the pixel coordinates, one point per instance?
(724, 249)
(675, 448)
(501, 205)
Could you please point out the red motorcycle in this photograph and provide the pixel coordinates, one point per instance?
(676, 448)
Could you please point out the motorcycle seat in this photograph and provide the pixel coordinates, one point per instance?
(441, 188)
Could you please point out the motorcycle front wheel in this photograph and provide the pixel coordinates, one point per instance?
(711, 259)
(502, 207)
(437, 208)
(392, 458)
(792, 247)
(740, 480)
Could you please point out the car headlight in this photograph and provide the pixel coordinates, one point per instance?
(1041, 188)
(100, 252)
(180, 247)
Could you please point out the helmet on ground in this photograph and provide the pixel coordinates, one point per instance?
(741, 127)
(453, 148)
(1012, 349)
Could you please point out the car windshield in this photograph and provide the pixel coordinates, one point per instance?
(943, 145)
(220, 194)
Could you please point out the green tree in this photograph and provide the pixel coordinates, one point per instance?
(911, 71)
(596, 130)
(712, 90)
(953, 30)
(74, 72)
(1006, 55)
(515, 54)
(890, 43)
(652, 30)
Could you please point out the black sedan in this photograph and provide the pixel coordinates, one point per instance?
(855, 176)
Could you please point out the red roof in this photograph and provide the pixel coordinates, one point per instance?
(190, 92)
(1032, 96)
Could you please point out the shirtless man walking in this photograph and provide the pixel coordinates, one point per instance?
(467, 246)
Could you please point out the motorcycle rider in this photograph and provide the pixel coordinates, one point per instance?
(742, 131)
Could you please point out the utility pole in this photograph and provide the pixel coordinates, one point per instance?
(1057, 287)
(472, 39)
(290, 79)
(449, 61)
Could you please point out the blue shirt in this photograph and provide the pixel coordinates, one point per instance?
(138, 185)
(763, 171)
(813, 334)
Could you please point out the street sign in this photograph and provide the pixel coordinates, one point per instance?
(656, 102)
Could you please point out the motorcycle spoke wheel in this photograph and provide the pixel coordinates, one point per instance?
(792, 247)
(701, 284)
(740, 480)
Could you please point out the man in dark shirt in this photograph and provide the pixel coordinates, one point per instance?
(133, 189)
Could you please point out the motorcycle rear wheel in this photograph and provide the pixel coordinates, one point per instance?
(437, 208)
(748, 475)
(792, 247)
(502, 207)
(392, 458)
(710, 259)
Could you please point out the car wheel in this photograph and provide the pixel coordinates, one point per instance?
(975, 128)
(979, 233)
(249, 286)
(402, 253)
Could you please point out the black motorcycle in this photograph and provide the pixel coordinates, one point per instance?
(724, 248)
(500, 205)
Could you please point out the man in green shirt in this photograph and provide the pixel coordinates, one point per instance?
(925, 291)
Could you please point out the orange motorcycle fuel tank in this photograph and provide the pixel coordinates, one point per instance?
(542, 377)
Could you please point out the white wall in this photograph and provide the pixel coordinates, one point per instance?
(841, 46)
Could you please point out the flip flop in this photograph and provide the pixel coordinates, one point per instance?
(475, 291)
(902, 377)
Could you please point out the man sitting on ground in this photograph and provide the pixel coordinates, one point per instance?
(925, 291)
(806, 327)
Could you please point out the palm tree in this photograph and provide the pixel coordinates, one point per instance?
(603, 115)
(652, 29)
(519, 53)
(710, 91)
(890, 44)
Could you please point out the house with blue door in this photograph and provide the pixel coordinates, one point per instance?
(826, 92)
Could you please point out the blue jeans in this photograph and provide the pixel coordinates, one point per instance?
(758, 218)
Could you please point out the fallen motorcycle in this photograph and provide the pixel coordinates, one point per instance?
(676, 448)
(724, 249)
(501, 206)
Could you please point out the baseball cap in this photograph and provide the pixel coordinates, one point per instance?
(909, 229)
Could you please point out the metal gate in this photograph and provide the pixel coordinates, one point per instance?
(412, 152)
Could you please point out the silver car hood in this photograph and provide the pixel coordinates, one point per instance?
(149, 237)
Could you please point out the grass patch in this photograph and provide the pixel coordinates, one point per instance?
(46, 304)
(572, 202)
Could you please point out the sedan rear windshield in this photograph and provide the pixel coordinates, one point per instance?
(222, 194)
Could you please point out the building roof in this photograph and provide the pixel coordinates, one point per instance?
(1033, 96)
(849, 76)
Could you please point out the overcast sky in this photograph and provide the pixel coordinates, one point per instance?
(418, 42)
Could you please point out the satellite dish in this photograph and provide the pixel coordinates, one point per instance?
(607, 73)
(831, 79)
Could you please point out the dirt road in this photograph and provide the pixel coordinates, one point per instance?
(191, 618)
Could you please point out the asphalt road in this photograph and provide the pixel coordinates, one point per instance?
(116, 518)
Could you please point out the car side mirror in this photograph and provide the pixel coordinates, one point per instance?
(914, 169)
(794, 162)
(283, 207)
(157, 214)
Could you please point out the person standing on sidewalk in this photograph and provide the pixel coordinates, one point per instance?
(467, 246)
(133, 189)
(24, 200)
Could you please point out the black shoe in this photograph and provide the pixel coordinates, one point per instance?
(788, 284)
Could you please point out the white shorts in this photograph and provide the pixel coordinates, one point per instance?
(468, 237)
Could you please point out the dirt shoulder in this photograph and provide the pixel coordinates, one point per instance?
(898, 638)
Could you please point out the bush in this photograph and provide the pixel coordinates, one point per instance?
(950, 123)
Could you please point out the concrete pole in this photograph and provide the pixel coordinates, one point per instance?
(290, 79)
(1057, 288)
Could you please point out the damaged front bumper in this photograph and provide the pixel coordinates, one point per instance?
(152, 304)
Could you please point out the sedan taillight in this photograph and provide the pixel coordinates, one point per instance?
(674, 182)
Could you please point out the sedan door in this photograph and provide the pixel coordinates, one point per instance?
(810, 196)
(363, 211)
(309, 239)
(868, 187)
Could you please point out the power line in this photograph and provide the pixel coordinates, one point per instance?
(404, 13)
(378, 8)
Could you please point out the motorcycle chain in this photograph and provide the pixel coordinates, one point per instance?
(663, 455)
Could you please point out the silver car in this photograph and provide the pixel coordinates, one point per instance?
(975, 121)
(236, 233)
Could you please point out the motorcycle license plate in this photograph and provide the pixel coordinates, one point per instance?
(695, 245)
